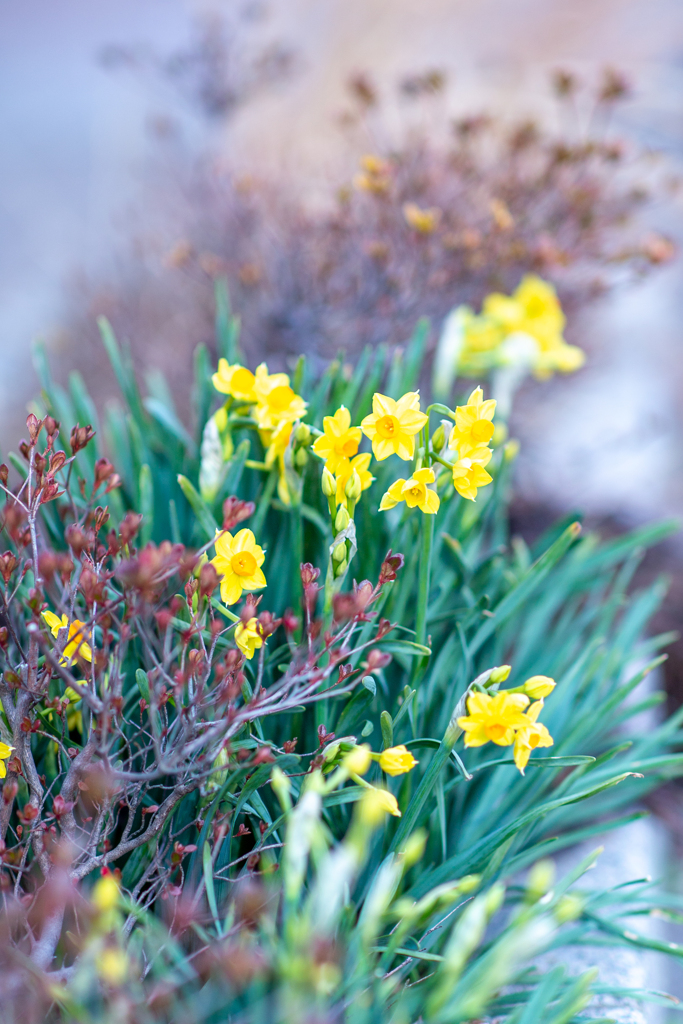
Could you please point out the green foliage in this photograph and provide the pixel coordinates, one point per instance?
(324, 941)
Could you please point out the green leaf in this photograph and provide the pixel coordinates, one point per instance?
(199, 507)
(170, 422)
(143, 684)
(524, 589)
(146, 504)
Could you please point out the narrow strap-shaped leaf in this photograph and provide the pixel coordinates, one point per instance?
(199, 507)
(538, 571)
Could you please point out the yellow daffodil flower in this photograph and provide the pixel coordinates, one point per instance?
(392, 425)
(473, 427)
(359, 464)
(529, 736)
(238, 559)
(235, 380)
(422, 221)
(277, 401)
(375, 803)
(275, 442)
(339, 442)
(538, 687)
(5, 752)
(414, 491)
(248, 637)
(397, 760)
(534, 309)
(75, 644)
(493, 718)
(469, 473)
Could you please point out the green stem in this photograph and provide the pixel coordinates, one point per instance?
(423, 579)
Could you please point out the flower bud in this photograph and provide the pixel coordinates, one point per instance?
(341, 568)
(511, 450)
(540, 880)
(374, 804)
(397, 760)
(358, 760)
(568, 908)
(105, 894)
(57, 460)
(354, 488)
(342, 519)
(500, 674)
(538, 687)
(414, 849)
(438, 439)
(309, 574)
(33, 424)
(328, 484)
(80, 437)
(339, 552)
(301, 458)
(302, 434)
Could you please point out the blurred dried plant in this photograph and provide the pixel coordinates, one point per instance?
(420, 227)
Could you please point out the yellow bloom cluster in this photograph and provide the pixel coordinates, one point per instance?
(506, 719)
(274, 401)
(275, 408)
(525, 327)
(338, 447)
(469, 438)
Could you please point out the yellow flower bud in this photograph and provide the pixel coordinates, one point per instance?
(500, 435)
(540, 880)
(500, 674)
(538, 687)
(354, 487)
(358, 760)
(342, 519)
(301, 458)
(397, 760)
(112, 966)
(568, 908)
(415, 847)
(341, 568)
(374, 804)
(328, 483)
(105, 894)
(511, 450)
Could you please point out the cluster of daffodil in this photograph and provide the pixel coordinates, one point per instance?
(507, 717)
(346, 759)
(270, 401)
(523, 330)
(270, 405)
